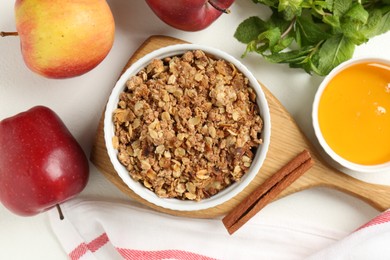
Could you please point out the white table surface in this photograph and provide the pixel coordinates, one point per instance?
(79, 102)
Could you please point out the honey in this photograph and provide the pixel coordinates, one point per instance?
(354, 113)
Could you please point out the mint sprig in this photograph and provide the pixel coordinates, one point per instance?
(315, 35)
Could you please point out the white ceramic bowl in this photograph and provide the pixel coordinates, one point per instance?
(176, 204)
(326, 151)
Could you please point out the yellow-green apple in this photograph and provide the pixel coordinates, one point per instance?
(189, 15)
(64, 38)
(41, 163)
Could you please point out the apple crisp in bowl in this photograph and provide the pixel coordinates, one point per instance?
(187, 127)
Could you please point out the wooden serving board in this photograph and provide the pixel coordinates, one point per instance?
(286, 142)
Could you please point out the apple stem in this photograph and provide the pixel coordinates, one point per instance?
(60, 211)
(5, 34)
(226, 11)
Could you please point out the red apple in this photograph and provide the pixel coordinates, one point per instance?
(64, 38)
(41, 163)
(189, 15)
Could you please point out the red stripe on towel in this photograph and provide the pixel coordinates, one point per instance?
(380, 219)
(133, 254)
(92, 246)
(160, 254)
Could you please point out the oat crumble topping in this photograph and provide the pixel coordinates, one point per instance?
(187, 127)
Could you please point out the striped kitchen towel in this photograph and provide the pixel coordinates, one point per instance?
(370, 241)
(94, 229)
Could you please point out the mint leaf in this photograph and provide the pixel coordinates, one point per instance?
(309, 32)
(282, 44)
(334, 51)
(376, 26)
(352, 23)
(314, 35)
(340, 7)
(333, 21)
(270, 39)
(276, 20)
(302, 58)
(357, 14)
(293, 57)
(290, 8)
(373, 26)
(249, 29)
(328, 4)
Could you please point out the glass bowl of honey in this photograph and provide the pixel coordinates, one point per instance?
(351, 116)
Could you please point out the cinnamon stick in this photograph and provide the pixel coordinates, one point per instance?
(268, 191)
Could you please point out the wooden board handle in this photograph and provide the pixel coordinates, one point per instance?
(378, 196)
